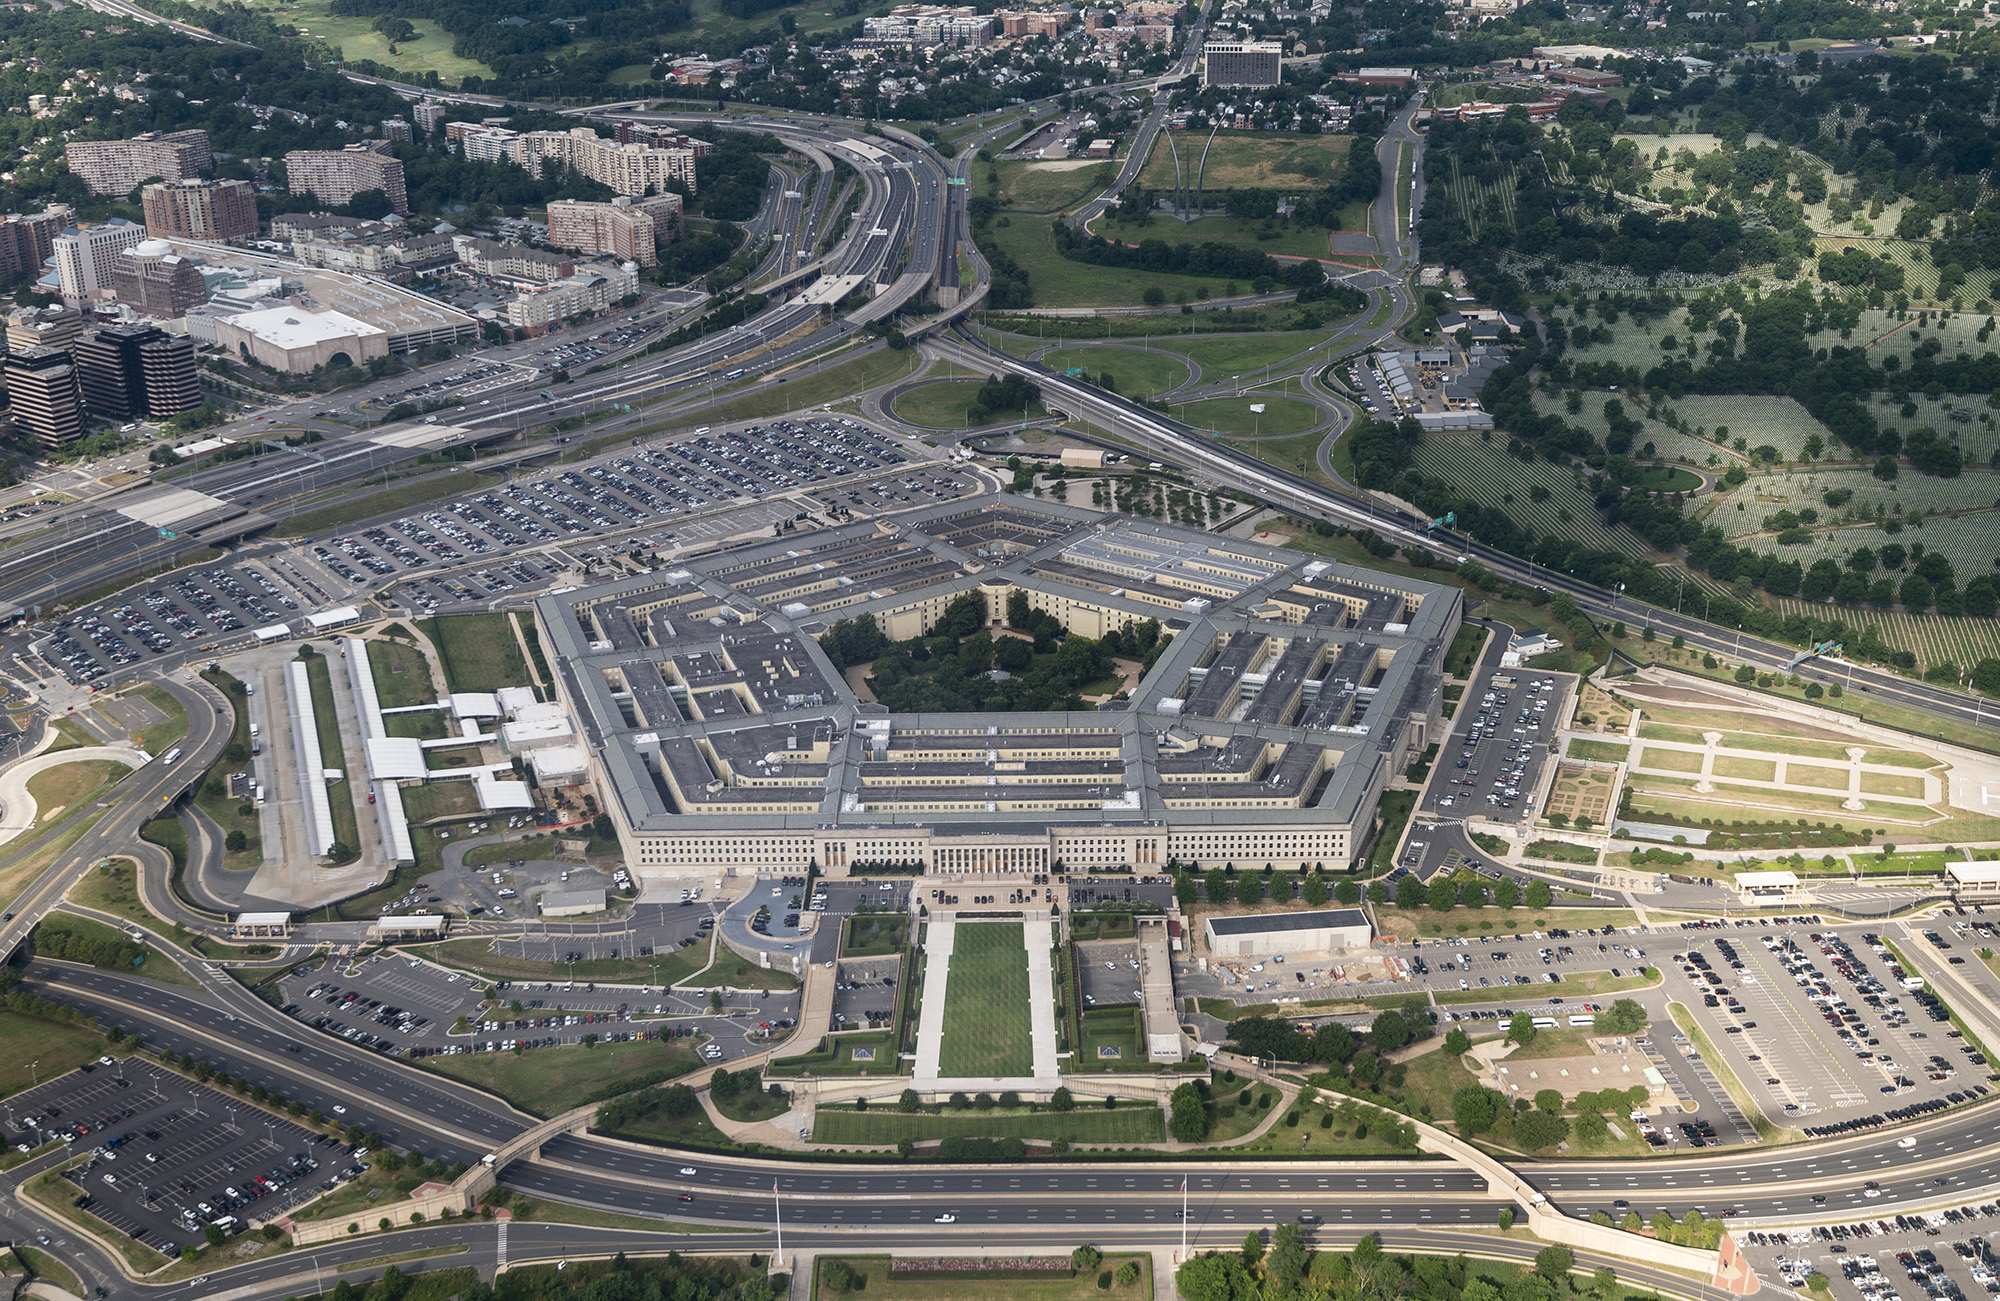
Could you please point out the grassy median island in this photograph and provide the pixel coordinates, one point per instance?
(875, 1276)
(1131, 1123)
(730, 971)
(987, 1028)
(340, 794)
(549, 1081)
(62, 788)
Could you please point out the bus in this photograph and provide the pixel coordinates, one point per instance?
(167, 759)
(1583, 1022)
(1543, 1022)
(738, 373)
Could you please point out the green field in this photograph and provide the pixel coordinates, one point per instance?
(1135, 371)
(1283, 238)
(56, 1049)
(850, 377)
(431, 52)
(1601, 751)
(1059, 282)
(944, 405)
(1220, 356)
(1246, 160)
(1131, 1123)
(986, 1025)
(59, 789)
(402, 675)
(479, 651)
(1041, 187)
(1281, 417)
(874, 935)
(389, 501)
(340, 794)
(548, 1081)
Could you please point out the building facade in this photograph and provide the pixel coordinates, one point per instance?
(489, 257)
(151, 278)
(27, 243)
(620, 228)
(85, 259)
(196, 209)
(47, 398)
(336, 176)
(118, 166)
(632, 169)
(722, 738)
(127, 371)
(1242, 63)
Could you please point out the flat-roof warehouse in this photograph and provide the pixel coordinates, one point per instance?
(1260, 935)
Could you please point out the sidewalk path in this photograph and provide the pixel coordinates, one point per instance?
(938, 942)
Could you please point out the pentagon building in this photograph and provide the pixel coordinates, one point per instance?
(724, 740)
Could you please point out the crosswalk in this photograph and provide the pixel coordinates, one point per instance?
(501, 1257)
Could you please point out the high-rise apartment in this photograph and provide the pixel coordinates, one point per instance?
(126, 371)
(150, 277)
(214, 210)
(47, 399)
(336, 176)
(27, 242)
(85, 258)
(627, 169)
(116, 166)
(1242, 63)
(619, 228)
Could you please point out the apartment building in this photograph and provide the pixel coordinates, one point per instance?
(118, 166)
(336, 176)
(1242, 63)
(621, 228)
(198, 209)
(127, 371)
(26, 243)
(628, 169)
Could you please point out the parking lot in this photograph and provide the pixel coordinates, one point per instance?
(1945, 1255)
(167, 1156)
(1818, 1025)
(865, 992)
(1108, 971)
(191, 607)
(1491, 766)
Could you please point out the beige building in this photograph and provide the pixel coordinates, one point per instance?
(336, 176)
(196, 209)
(118, 166)
(298, 341)
(619, 228)
(628, 169)
(85, 258)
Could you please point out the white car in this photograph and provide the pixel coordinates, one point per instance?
(687, 1170)
(339, 1110)
(1871, 1192)
(945, 1219)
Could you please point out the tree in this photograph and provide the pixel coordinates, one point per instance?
(236, 842)
(1249, 890)
(1506, 893)
(1286, 1264)
(1538, 894)
(1521, 1029)
(1389, 1031)
(1084, 1259)
(1378, 894)
(1061, 1100)
(1253, 1250)
(1549, 1101)
(1187, 1115)
(1986, 676)
(1626, 1016)
(1187, 890)
(1313, 891)
(1442, 893)
(1410, 894)
(906, 1101)
(1348, 893)
(1457, 1042)
(1554, 1263)
(1214, 1278)
(1474, 1108)
(1217, 886)
(1537, 1129)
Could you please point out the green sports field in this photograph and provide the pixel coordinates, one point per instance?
(986, 1025)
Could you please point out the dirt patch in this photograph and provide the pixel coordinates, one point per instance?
(857, 681)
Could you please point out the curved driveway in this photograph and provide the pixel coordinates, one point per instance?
(17, 807)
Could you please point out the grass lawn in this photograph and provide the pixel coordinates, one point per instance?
(986, 1024)
(402, 675)
(170, 731)
(389, 501)
(1242, 353)
(426, 726)
(1602, 751)
(1137, 371)
(48, 1269)
(440, 799)
(874, 935)
(1130, 1123)
(1300, 455)
(61, 788)
(158, 965)
(1756, 770)
(1654, 756)
(1041, 188)
(228, 813)
(70, 735)
(542, 846)
(944, 405)
(479, 651)
(340, 794)
(546, 1081)
(834, 1055)
(729, 970)
(1882, 783)
(883, 366)
(430, 52)
(58, 1048)
(1281, 417)
(1059, 282)
(1286, 238)
(674, 1131)
(1247, 160)
(879, 1282)
(112, 888)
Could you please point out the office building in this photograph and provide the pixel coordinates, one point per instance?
(627, 169)
(721, 739)
(119, 166)
(26, 243)
(206, 210)
(129, 371)
(151, 278)
(85, 258)
(1242, 63)
(46, 396)
(620, 228)
(336, 176)
(54, 326)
